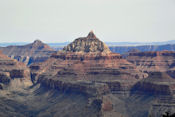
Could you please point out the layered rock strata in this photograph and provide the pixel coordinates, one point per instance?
(11, 69)
(153, 61)
(87, 66)
(87, 59)
(30, 53)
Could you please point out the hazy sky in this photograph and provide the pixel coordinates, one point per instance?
(65, 20)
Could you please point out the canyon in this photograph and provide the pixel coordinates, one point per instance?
(86, 78)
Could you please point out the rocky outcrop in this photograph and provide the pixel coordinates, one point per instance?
(91, 81)
(159, 66)
(30, 53)
(11, 69)
(87, 60)
(153, 88)
(153, 61)
(107, 78)
(87, 44)
(87, 88)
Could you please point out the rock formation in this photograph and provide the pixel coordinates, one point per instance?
(97, 72)
(88, 59)
(159, 65)
(142, 48)
(87, 79)
(87, 44)
(160, 82)
(31, 53)
(11, 70)
(162, 61)
(87, 66)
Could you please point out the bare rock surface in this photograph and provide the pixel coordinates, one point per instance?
(11, 70)
(87, 79)
(30, 53)
(96, 73)
(87, 44)
(153, 61)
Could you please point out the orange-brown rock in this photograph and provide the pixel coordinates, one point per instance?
(97, 65)
(161, 68)
(153, 61)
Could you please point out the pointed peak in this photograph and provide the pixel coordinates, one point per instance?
(89, 44)
(91, 35)
(37, 41)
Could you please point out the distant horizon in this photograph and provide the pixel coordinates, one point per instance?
(101, 40)
(60, 44)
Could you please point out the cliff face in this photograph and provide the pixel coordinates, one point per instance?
(153, 61)
(159, 66)
(28, 54)
(11, 69)
(160, 81)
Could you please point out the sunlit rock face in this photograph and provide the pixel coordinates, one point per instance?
(89, 44)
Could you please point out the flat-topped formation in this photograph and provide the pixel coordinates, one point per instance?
(162, 61)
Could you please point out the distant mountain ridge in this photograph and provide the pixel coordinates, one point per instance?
(122, 49)
(56, 44)
(30, 53)
(139, 43)
(125, 49)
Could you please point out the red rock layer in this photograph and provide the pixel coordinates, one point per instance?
(153, 61)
